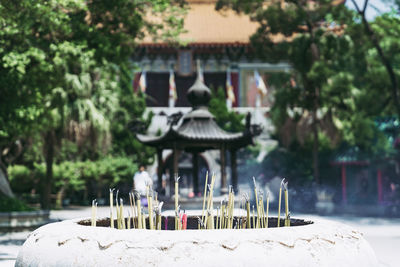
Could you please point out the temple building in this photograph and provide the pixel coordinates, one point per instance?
(218, 47)
(197, 132)
(220, 40)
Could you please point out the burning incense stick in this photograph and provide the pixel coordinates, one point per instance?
(217, 217)
(111, 208)
(118, 211)
(202, 225)
(122, 217)
(176, 200)
(233, 206)
(248, 223)
(222, 219)
(258, 208)
(254, 218)
(139, 212)
(94, 212)
(204, 197)
(261, 205)
(184, 221)
(132, 209)
(210, 201)
(210, 223)
(158, 215)
(279, 202)
(177, 218)
(287, 219)
(128, 224)
(150, 208)
(267, 210)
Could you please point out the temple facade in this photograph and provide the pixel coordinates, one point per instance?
(218, 47)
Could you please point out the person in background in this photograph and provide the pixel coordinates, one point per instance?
(140, 180)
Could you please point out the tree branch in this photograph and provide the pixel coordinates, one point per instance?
(356, 6)
(365, 6)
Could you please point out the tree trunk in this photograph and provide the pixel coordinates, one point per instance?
(59, 197)
(49, 157)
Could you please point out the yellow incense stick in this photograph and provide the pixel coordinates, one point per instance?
(287, 220)
(233, 206)
(267, 210)
(279, 203)
(262, 212)
(279, 206)
(222, 220)
(248, 214)
(217, 219)
(111, 208)
(128, 224)
(93, 220)
(150, 208)
(132, 210)
(254, 218)
(122, 214)
(258, 209)
(139, 213)
(209, 211)
(176, 201)
(204, 198)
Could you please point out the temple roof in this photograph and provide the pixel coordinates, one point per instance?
(203, 24)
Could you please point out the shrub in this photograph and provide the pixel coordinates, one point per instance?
(8, 204)
(21, 180)
(70, 178)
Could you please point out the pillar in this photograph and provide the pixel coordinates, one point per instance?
(195, 162)
(224, 189)
(234, 171)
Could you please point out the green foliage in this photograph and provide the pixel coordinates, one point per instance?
(62, 75)
(131, 108)
(74, 176)
(336, 69)
(13, 204)
(21, 180)
(228, 120)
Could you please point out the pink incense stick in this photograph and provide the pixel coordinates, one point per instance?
(184, 221)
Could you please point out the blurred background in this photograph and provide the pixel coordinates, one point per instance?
(80, 80)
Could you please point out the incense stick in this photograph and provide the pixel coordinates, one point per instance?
(279, 203)
(94, 212)
(176, 200)
(204, 197)
(111, 208)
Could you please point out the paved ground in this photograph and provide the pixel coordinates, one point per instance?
(383, 234)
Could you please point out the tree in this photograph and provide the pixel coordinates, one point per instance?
(374, 39)
(309, 35)
(226, 119)
(64, 57)
(131, 110)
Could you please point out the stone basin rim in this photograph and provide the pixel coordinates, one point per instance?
(192, 223)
